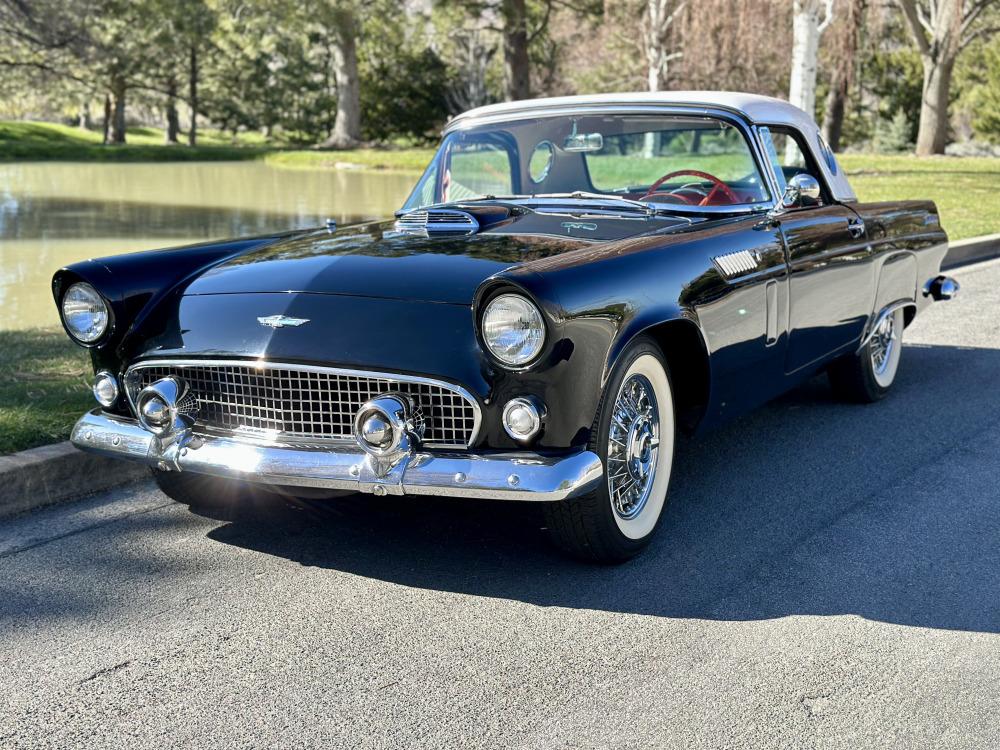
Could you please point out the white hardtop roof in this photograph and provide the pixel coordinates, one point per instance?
(756, 108)
(762, 110)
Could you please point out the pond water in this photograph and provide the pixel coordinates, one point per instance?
(52, 214)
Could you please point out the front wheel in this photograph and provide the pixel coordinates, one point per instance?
(634, 435)
(868, 375)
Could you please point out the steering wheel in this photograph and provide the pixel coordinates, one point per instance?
(718, 187)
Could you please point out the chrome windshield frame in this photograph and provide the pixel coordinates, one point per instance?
(731, 117)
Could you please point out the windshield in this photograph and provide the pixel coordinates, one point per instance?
(660, 159)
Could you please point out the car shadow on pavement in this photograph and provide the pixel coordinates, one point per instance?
(806, 507)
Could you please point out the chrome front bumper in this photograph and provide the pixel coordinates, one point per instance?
(510, 476)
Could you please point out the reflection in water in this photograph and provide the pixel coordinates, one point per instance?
(55, 214)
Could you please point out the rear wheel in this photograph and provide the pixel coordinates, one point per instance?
(868, 375)
(634, 436)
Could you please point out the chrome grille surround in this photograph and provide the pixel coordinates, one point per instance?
(293, 403)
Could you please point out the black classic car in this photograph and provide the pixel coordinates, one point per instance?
(572, 284)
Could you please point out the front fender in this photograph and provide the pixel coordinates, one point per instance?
(134, 284)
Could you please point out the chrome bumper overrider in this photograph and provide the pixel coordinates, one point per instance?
(513, 476)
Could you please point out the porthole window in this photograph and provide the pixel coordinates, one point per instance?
(541, 162)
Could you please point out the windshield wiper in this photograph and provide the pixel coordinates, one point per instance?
(584, 195)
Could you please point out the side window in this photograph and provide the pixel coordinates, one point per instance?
(477, 169)
(788, 155)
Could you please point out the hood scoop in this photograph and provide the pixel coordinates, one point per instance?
(437, 221)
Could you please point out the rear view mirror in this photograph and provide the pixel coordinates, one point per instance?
(583, 142)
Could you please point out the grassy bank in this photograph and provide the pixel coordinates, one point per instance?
(395, 160)
(42, 141)
(44, 388)
(966, 190)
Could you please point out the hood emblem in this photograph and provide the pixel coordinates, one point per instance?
(569, 226)
(281, 321)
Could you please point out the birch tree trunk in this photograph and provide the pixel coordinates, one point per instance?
(810, 19)
(658, 18)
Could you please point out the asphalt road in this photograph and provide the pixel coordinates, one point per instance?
(827, 576)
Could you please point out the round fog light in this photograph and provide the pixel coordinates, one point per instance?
(522, 419)
(105, 388)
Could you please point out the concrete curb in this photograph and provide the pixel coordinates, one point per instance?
(57, 473)
(974, 250)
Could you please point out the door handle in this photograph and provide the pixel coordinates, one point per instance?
(857, 228)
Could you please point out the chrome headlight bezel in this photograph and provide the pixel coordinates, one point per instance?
(82, 293)
(522, 315)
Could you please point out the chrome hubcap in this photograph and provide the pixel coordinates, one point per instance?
(633, 444)
(883, 342)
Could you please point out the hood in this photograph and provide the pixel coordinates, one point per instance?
(372, 260)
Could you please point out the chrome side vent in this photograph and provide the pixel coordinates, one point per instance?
(736, 264)
(437, 221)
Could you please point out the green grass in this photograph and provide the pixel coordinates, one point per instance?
(965, 189)
(43, 141)
(44, 387)
(393, 160)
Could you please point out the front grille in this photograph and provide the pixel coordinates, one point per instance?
(307, 403)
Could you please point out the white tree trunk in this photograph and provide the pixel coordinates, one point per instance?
(810, 19)
(658, 18)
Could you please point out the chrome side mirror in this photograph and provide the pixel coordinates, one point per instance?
(802, 190)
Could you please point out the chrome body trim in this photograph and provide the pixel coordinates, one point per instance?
(507, 476)
(880, 318)
(268, 365)
(736, 264)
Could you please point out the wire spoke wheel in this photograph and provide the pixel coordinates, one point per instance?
(633, 445)
(884, 348)
(883, 341)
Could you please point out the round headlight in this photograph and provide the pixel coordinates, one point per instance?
(513, 329)
(84, 313)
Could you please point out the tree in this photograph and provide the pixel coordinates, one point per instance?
(810, 18)
(521, 24)
(658, 21)
(982, 90)
(845, 53)
(347, 126)
(941, 30)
